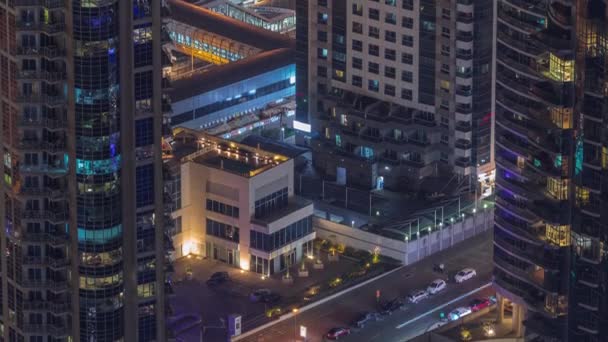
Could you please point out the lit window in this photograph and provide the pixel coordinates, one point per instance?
(561, 69)
(558, 235)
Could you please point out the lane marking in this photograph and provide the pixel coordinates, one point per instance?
(443, 305)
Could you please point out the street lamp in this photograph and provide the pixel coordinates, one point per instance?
(474, 210)
(295, 323)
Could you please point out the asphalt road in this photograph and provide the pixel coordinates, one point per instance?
(475, 252)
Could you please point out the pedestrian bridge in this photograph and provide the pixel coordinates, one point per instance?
(215, 38)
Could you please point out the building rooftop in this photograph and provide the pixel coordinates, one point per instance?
(207, 20)
(295, 203)
(270, 145)
(221, 154)
(223, 75)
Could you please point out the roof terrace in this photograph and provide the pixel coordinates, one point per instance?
(221, 154)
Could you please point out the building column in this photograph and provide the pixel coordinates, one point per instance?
(517, 322)
(500, 308)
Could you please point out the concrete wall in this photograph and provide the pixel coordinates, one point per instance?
(407, 252)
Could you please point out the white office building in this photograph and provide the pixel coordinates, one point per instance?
(238, 205)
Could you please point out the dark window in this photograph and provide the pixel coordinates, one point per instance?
(271, 203)
(222, 208)
(222, 230)
(144, 132)
(144, 185)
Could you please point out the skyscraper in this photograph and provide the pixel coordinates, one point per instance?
(82, 206)
(550, 250)
(396, 90)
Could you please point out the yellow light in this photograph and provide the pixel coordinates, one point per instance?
(244, 265)
(294, 310)
(263, 277)
(309, 256)
(242, 271)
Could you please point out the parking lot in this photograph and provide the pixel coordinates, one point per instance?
(195, 297)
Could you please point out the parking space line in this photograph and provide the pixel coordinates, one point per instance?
(443, 305)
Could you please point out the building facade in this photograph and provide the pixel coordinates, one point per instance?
(238, 206)
(82, 191)
(550, 252)
(396, 90)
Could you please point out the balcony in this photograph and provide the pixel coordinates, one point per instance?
(523, 230)
(531, 274)
(515, 148)
(543, 256)
(49, 76)
(49, 100)
(55, 307)
(48, 328)
(49, 4)
(527, 70)
(48, 123)
(534, 7)
(54, 262)
(41, 192)
(528, 47)
(58, 239)
(522, 211)
(47, 146)
(53, 216)
(55, 284)
(511, 20)
(48, 28)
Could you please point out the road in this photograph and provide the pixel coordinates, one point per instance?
(475, 252)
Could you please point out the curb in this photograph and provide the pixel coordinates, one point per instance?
(312, 305)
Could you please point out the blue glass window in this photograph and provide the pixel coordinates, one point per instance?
(99, 236)
(144, 185)
(144, 132)
(97, 167)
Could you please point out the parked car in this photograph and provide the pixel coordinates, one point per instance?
(270, 298)
(257, 295)
(417, 296)
(336, 333)
(479, 304)
(436, 286)
(458, 313)
(387, 308)
(365, 318)
(465, 274)
(218, 278)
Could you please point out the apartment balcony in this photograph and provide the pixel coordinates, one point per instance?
(513, 147)
(54, 240)
(534, 7)
(523, 230)
(58, 262)
(553, 211)
(522, 211)
(531, 274)
(48, 76)
(528, 47)
(528, 190)
(560, 15)
(52, 193)
(52, 284)
(55, 307)
(47, 146)
(523, 172)
(523, 110)
(49, 4)
(586, 298)
(47, 28)
(53, 171)
(51, 329)
(52, 216)
(532, 72)
(540, 254)
(43, 99)
(48, 123)
(515, 23)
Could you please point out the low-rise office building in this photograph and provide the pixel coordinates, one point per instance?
(238, 205)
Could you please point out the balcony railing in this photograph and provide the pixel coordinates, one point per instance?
(50, 4)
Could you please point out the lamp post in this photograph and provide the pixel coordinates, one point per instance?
(295, 323)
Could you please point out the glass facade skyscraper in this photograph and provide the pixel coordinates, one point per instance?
(81, 109)
(550, 252)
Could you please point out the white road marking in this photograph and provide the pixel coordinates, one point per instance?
(443, 305)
